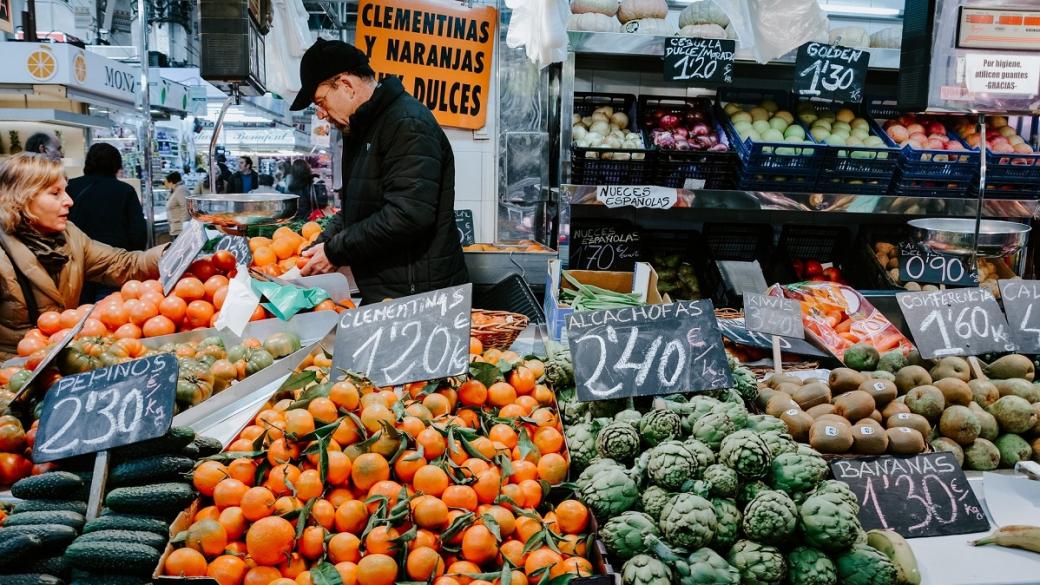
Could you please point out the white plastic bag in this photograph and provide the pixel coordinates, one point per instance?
(540, 26)
(775, 27)
(239, 303)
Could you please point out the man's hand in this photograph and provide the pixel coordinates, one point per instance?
(317, 263)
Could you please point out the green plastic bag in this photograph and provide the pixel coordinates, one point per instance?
(284, 301)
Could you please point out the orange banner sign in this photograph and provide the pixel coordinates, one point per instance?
(441, 52)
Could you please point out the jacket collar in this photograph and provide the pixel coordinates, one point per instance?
(386, 92)
(26, 261)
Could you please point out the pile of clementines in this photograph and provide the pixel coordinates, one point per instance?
(281, 252)
(442, 483)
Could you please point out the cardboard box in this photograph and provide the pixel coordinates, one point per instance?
(642, 280)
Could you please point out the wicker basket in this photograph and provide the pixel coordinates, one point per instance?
(502, 333)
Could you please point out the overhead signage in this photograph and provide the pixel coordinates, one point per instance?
(736, 331)
(64, 64)
(920, 265)
(641, 196)
(1008, 74)
(960, 322)
(604, 247)
(699, 62)
(168, 94)
(441, 52)
(1021, 300)
(830, 72)
(773, 315)
(649, 350)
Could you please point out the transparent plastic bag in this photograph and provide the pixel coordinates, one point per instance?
(540, 26)
(772, 28)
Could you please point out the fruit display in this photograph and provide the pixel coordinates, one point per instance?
(921, 132)
(526, 246)
(814, 270)
(675, 277)
(1000, 138)
(841, 128)
(990, 271)
(281, 252)
(766, 122)
(687, 127)
(606, 128)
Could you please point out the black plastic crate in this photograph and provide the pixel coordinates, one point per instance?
(874, 275)
(609, 166)
(512, 294)
(710, 278)
(665, 245)
(771, 158)
(825, 244)
(739, 241)
(672, 167)
(1028, 189)
(785, 182)
(834, 181)
(862, 161)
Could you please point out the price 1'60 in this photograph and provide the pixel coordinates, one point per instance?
(970, 323)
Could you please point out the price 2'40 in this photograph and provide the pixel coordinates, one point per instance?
(669, 356)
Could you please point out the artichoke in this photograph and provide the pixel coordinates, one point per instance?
(747, 492)
(779, 443)
(697, 487)
(645, 570)
(670, 465)
(840, 490)
(711, 428)
(727, 529)
(573, 411)
(796, 472)
(759, 564)
(559, 370)
(722, 481)
(658, 426)
(703, 567)
(581, 443)
(863, 565)
(701, 452)
(808, 566)
(770, 518)
(764, 423)
(745, 384)
(688, 521)
(828, 526)
(594, 467)
(654, 498)
(610, 493)
(630, 416)
(745, 453)
(607, 408)
(618, 441)
(735, 410)
(623, 535)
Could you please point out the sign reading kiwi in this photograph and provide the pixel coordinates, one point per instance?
(1022, 305)
(955, 322)
(918, 496)
(736, 331)
(773, 315)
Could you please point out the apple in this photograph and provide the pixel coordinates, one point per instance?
(813, 268)
(799, 267)
(832, 274)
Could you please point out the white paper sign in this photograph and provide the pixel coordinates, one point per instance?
(641, 196)
(1004, 74)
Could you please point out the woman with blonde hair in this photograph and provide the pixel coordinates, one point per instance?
(45, 259)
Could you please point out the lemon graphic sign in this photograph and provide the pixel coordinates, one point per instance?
(41, 64)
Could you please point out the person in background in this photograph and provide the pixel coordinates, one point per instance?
(266, 185)
(176, 203)
(44, 258)
(105, 208)
(245, 180)
(46, 144)
(285, 170)
(301, 184)
(223, 176)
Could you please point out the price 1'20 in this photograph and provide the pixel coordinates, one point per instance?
(702, 68)
(440, 346)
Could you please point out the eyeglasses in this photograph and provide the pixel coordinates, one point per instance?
(319, 101)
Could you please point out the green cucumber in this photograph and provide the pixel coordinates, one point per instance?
(77, 506)
(156, 541)
(63, 517)
(127, 522)
(15, 548)
(173, 441)
(150, 470)
(53, 484)
(161, 498)
(31, 579)
(125, 557)
(54, 536)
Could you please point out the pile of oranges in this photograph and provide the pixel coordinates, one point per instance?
(436, 483)
(281, 252)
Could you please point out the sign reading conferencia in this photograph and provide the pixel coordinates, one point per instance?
(441, 53)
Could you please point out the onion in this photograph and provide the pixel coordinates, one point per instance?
(669, 121)
(578, 132)
(605, 110)
(601, 128)
(719, 148)
(682, 145)
(664, 140)
(587, 121)
(594, 139)
(600, 117)
(620, 119)
(575, 119)
(700, 130)
(681, 132)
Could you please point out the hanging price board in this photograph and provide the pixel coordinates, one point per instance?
(699, 61)
(830, 72)
(919, 265)
(961, 322)
(1022, 304)
(773, 315)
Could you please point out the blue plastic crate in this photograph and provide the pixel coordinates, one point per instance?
(771, 157)
(1012, 165)
(609, 166)
(1023, 189)
(780, 182)
(834, 181)
(912, 186)
(672, 167)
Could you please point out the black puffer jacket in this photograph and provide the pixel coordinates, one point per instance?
(396, 229)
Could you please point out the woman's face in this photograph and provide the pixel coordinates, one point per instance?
(50, 207)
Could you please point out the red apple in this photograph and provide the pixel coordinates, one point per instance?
(936, 128)
(832, 274)
(813, 268)
(799, 267)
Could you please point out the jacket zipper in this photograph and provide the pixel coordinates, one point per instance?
(411, 279)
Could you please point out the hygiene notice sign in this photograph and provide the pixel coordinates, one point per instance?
(441, 52)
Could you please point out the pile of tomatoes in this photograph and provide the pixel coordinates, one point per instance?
(443, 483)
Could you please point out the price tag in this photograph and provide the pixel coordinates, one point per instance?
(421, 337)
(464, 221)
(639, 196)
(923, 495)
(699, 61)
(773, 315)
(736, 331)
(919, 265)
(604, 248)
(181, 254)
(655, 349)
(1022, 305)
(963, 322)
(830, 72)
(238, 246)
(53, 353)
(106, 408)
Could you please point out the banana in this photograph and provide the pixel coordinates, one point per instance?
(1014, 536)
(895, 547)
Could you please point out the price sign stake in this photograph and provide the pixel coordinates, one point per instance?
(830, 72)
(774, 316)
(699, 61)
(955, 322)
(1022, 304)
(919, 265)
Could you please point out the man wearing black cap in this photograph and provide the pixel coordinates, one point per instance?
(396, 229)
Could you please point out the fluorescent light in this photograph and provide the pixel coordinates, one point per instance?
(861, 10)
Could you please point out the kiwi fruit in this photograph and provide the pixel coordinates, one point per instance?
(983, 392)
(854, 405)
(904, 441)
(882, 391)
(893, 408)
(876, 416)
(955, 391)
(834, 419)
(909, 419)
(820, 410)
(911, 377)
(774, 381)
(798, 423)
(927, 401)
(827, 437)
(764, 395)
(869, 438)
(844, 380)
(787, 388)
(779, 403)
(812, 394)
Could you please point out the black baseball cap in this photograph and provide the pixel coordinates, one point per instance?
(326, 59)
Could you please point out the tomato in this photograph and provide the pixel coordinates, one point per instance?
(282, 344)
(49, 322)
(18, 379)
(223, 261)
(202, 269)
(190, 289)
(35, 358)
(30, 437)
(253, 359)
(43, 468)
(12, 438)
(224, 370)
(30, 345)
(93, 328)
(211, 351)
(83, 355)
(6, 373)
(13, 467)
(194, 387)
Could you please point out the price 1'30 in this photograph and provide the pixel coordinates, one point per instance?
(945, 508)
(829, 76)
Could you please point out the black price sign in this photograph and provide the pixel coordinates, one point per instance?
(699, 61)
(106, 408)
(923, 495)
(830, 72)
(53, 353)
(238, 246)
(604, 248)
(1022, 306)
(181, 254)
(464, 221)
(655, 349)
(962, 321)
(736, 331)
(773, 315)
(920, 265)
(420, 337)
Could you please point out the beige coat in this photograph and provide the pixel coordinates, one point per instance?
(177, 209)
(88, 260)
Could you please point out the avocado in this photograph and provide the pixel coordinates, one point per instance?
(1011, 366)
(892, 361)
(861, 357)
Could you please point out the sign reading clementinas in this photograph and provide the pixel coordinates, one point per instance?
(441, 53)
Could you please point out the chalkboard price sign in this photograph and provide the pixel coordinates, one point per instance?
(773, 315)
(923, 495)
(238, 246)
(919, 265)
(830, 72)
(106, 408)
(176, 259)
(1022, 305)
(736, 331)
(420, 337)
(699, 61)
(51, 355)
(656, 349)
(604, 248)
(963, 322)
(464, 221)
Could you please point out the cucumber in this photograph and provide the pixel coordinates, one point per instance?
(76, 506)
(173, 441)
(63, 517)
(156, 541)
(49, 565)
(150, 470)
(15, 548)
(53, 484)
(55, 536)
(191, 451)
(208, 446)
(85, 578)
(127, 522)
(32, 579)
(161, 498)
(125, 557)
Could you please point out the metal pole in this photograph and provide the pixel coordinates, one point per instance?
(148, 128)
(982, 192)
(232, 99)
